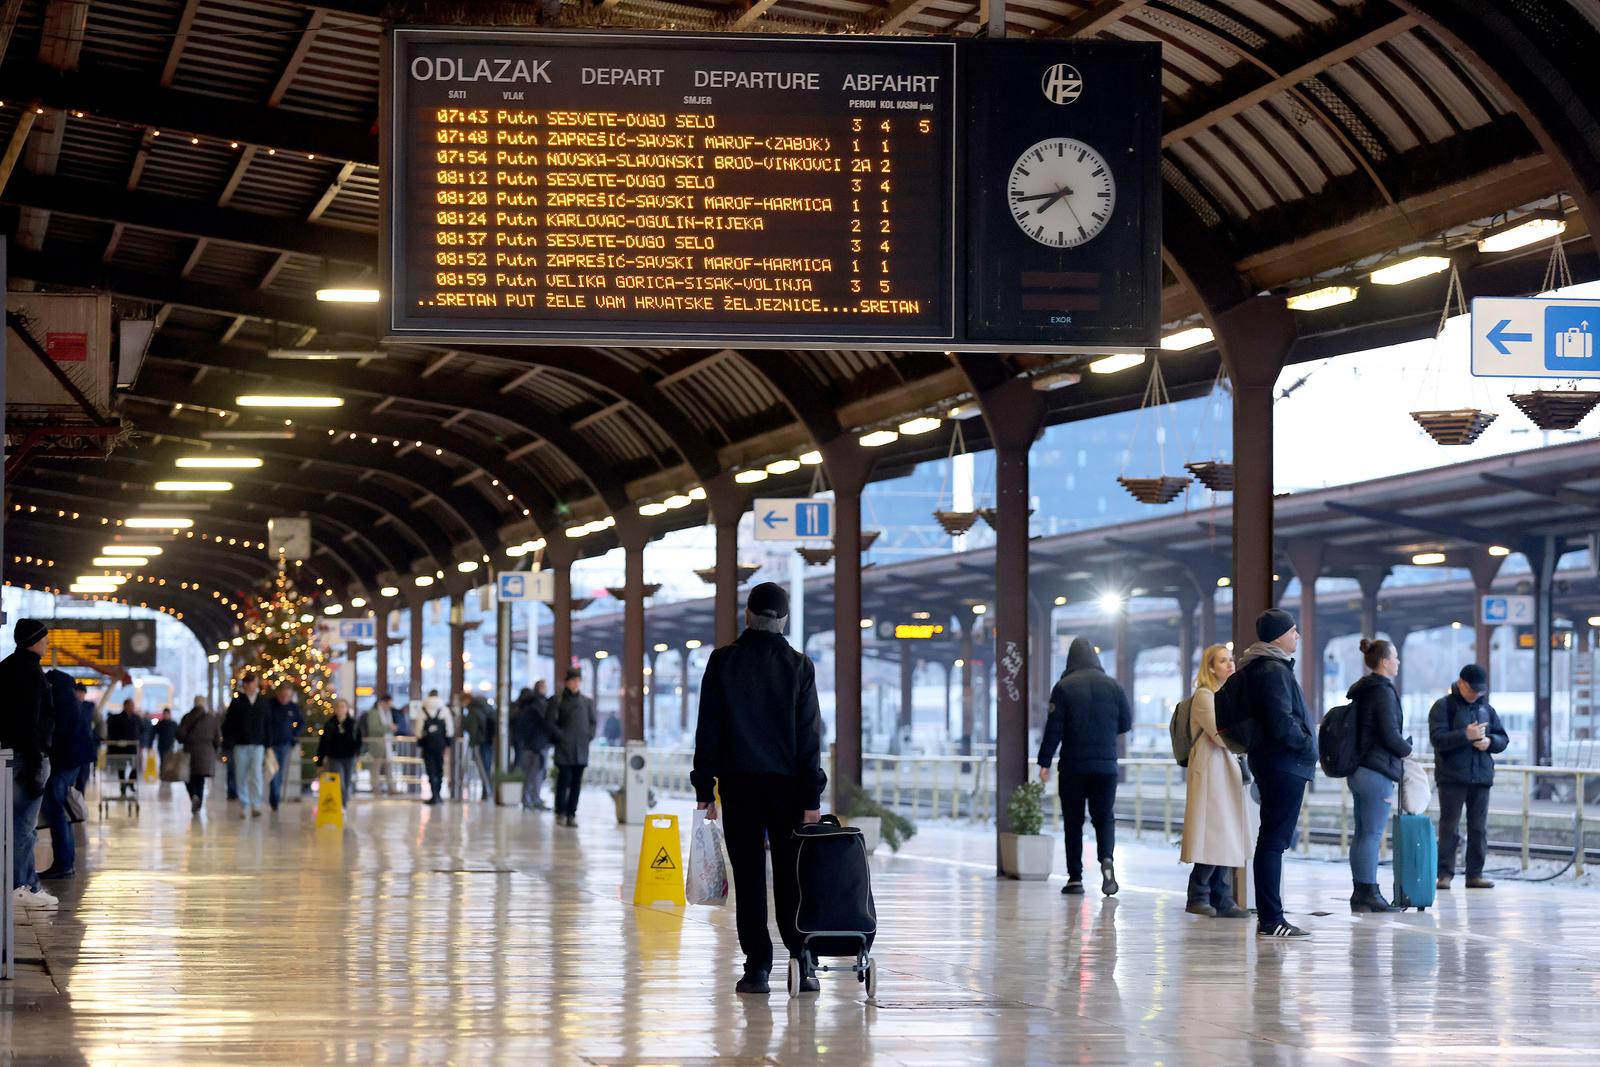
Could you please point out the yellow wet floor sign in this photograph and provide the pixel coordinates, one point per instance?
(152, 772)
(660, 879)
(330, 805)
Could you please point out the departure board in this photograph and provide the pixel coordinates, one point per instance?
(687, 188)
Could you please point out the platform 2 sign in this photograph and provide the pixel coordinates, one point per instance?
(1535, 337)
(785, 192)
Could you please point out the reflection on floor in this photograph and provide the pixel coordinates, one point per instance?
(468, 934)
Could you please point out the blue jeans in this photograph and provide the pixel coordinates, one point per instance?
(1371, 792)
(63, 849)
(275, 790)
(1281, 796)
(346, 770)
(24, 831)
(246, 764)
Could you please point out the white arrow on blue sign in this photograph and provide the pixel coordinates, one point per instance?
(793, 519)
(1534, 337)
(516, 587)
(1512, 610)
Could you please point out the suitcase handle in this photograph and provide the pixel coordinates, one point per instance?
(829, 819)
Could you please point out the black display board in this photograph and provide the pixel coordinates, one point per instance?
(792, 192)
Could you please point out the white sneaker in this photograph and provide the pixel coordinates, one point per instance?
(33, 898)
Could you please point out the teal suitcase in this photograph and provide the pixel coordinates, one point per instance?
(1416, 861)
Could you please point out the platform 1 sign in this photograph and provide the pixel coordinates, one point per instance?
(793, 519)
(518, 587)
(1532, 337)
(1500, 610)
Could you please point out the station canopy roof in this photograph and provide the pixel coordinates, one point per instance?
(214, 162)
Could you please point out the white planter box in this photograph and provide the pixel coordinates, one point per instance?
(509, 794)
(871, 827)
(1027, 857)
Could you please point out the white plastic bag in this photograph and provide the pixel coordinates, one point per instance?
(708, 874)
(1414, 791)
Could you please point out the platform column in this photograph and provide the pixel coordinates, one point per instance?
(847, 465)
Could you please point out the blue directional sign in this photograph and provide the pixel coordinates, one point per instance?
(356, 630)
(1516, 610)
(1535, 337)
(520, 587)
(794, 519)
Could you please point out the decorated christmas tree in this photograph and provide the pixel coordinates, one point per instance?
(280, 645)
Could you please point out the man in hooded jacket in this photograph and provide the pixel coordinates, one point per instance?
(1088, 712)
(1466, 732)
(27, 727)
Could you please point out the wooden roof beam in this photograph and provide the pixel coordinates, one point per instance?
(302, 48)
(1100, 15)
(899, 13)
(180, 38)
(751, 14)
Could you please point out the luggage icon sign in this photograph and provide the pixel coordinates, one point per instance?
(1569, 338)
(660, 878)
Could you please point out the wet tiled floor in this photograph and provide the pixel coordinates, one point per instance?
(467, 934)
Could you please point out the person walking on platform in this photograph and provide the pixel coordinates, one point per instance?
(1372, 784)
(1283, 757)
(1088, 712)
(572, 722)
(478, 721)
(434, 732)
(71, 747)
(166, 736)
(1466, 733)
(378, 731)
(757, 744)
(283, 726)
(200, 734)
(338, 748)
(123, 730)
(245, 729)
(27, 728)
(1218, 821)
(532, 738)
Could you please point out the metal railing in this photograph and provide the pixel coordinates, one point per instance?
(1153, 792)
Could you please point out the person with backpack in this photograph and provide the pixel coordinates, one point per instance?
(1217, 817)
(1466, 733)
(1088, 712)
(1372, 782)
(532, 738)
(434, 732)
(1282, 746)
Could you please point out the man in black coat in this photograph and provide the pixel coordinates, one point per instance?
(123, 731)
(532, 739)
(1466, 733)
(1088, 712)
(1283, 758)
(27, 727)
(72, 747)
(757, 744)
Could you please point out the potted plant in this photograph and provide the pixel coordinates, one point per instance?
(1025, 853)
(508, 788)
(875, 821)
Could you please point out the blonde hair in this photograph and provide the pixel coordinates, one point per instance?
(1207, 678)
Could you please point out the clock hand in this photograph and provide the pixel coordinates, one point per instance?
(1074, 214)
(1036, 196)
(1060, 193)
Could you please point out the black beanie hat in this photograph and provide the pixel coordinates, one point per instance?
(1273, 624)
(28, 632)
(770, 600)
(1476, 677)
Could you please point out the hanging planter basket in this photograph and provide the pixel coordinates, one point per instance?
(992, 517)
(581, 602)
(742, 570)
(956, 523)
(620, 592)
(1459, 427)
(1215, 475)
(868, 537)
(1161, 490)
(1556, 409)
(817, 557)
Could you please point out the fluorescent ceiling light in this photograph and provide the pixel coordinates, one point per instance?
(1427, 559)
(284, 400)
(131, 550)
(152, 522)
(389, 590)
(697, 493)
(101, 579)
(879, 438)
(866, 624)
(323, 354)
(1183, 340)
(237, 641)
(193, 487)
(1594, 620)
(423, 580)
(91, 587)
(467, 566)
(678, 500)
(234, 463)
(515, 551)
(811, 459)
(750, 477)
(1526, 232)
(349, 296)
(222, 646)
(783, 466)
(247, 435)
(661, 647)
(358, 601)
(536, 545)
(119, 561)
(922, 424)
(333, 609)
(1499, 550)
(691, 643)
(653, 509)
(1223, 583)
(1409, 270)
(1326, 297)
(602, 654)
(1119, 362)
(577, 531)
(980, 609)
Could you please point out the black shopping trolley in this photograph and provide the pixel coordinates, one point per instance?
(835, 915)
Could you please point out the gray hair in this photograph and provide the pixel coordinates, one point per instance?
(766, 624)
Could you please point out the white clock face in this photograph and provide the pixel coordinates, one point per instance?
(1061, 192)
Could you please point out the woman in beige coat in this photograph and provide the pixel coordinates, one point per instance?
(1218, 821)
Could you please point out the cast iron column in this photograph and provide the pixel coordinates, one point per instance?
(380, 632)
(1208, 616)
(1484, 569)
(1125, 667)
(654, 687)
(633, 541)
(415, 611)
(966, 687)
(1371, 579)
(1014, 414)
(1543, 559)
(502, 686)
(848, 465)
(1255, 337)
(683, 694)
(727, 505)
(458, 646)
(908, 669)
(561, 622)
(351, 650)
(1306, 557)
(1188, 599)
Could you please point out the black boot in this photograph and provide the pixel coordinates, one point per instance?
(1368, 898)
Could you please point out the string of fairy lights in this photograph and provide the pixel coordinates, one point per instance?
(106, 520)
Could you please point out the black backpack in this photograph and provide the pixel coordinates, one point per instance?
(1236, 718)
(1181, 731)
(1339, 742)
(434, 738)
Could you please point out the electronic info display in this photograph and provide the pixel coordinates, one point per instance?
(720, 189)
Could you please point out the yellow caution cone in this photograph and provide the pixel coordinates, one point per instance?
(330, 803)
(152, 771)
(660, 879)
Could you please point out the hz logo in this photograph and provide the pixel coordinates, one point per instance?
(1062, 84)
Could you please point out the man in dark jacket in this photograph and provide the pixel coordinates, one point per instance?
(478, 720)
(757, 743)
(283, 726)
(1088, 712)
(245, 729)
(123, 730)
(338, 748)
(72, 747)
(532, 738)
(571, 721)
(1466, 733)
(27, 727)
(1283, 757)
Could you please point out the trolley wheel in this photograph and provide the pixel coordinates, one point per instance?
(872, 981)
(794, 976)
